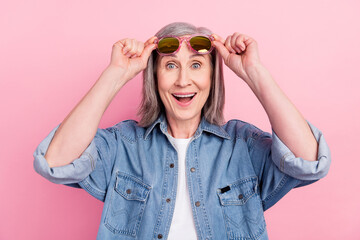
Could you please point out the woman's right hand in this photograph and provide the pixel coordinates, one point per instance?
(130, 56)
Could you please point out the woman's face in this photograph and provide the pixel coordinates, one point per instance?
(184, 82)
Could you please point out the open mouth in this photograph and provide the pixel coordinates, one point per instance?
(184, 98)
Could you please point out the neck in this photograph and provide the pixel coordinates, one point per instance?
(182, 129)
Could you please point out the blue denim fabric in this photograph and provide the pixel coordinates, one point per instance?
(240, 171)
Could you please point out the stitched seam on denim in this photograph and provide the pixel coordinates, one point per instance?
(230, 233)
(278, 188)
(190, 189)
(163, 193)
(173, 194)
(136, 227)
(94, 189)
(125, 176)
(97, 194)
(249, 140)
(120, 130)
(108, 208)
(116, 231)
(133, 178)
(173, 191)
(92, 161)
(99, 191)
(253, 138)
(237, 184)
(124, 137)
(119, 176)
(223, 134)
(122, 231)
(196, 157)
(283, 161)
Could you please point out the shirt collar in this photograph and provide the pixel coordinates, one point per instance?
(203, 126)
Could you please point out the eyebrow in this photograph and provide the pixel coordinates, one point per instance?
(195, 55)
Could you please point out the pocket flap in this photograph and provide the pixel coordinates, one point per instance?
(239, 192)
(131, 188)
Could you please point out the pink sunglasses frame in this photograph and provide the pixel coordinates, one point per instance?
(187, 39)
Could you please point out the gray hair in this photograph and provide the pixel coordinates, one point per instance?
(151, 105)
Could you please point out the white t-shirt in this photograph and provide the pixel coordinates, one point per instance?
(182, 225)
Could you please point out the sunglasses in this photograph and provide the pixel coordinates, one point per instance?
(169, 45)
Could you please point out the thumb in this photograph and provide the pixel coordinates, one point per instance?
(147, 51)
(224, 52)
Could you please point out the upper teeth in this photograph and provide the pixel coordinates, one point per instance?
(187, 95)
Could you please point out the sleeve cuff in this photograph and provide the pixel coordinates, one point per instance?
(74, 172)
(300, 168)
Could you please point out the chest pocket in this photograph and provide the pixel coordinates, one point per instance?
(242, 209)
(127, 205)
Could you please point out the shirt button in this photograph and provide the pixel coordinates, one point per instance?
(197, 204)
(192, 169)
(171, 165)
(168, 200)
(128, 191)
(159, 236)
(241, 196)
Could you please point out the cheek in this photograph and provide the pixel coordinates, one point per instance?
(166, 81)
(160, 81)
(205, 81)
(162, 87)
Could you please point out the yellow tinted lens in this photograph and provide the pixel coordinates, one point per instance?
(168, 45)
(200, 44)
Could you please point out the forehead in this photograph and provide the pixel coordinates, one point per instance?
(184, 53)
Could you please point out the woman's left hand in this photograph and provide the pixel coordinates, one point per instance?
(240, 54)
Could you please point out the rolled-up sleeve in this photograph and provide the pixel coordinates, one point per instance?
(74, 172)
(300, 168)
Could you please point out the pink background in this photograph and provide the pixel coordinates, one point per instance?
(51, 53)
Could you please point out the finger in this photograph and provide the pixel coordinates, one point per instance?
(127, 45)
(228, 45)
(247, 40)
(119, 44)
(134, 44)
(238, 44)
(150, 41)
(234, 38)
(218, 38)
(147, 51)
(240, 41)
(139, 49)
(220, 47)
(136, 49)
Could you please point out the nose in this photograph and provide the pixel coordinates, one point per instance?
(183, 79)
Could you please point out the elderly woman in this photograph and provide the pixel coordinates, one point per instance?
(182, 172)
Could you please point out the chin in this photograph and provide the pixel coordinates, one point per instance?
(186, 116)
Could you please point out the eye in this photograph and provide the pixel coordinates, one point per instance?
(170, 65)
(196, 65)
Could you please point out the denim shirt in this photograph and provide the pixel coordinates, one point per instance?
(234, 173)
